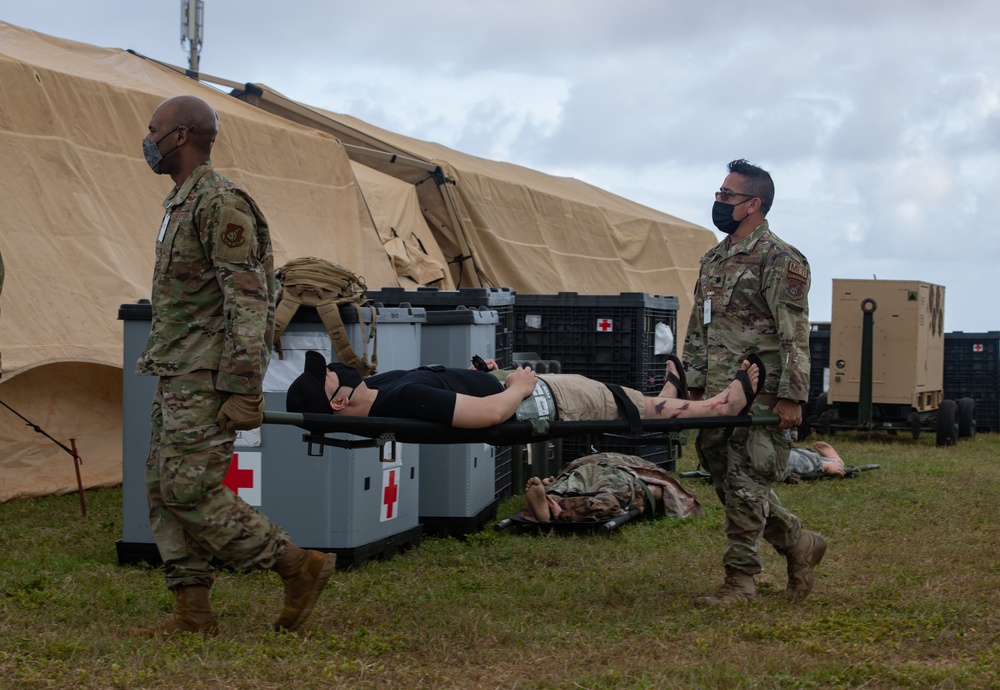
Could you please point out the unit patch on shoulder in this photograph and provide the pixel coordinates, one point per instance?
(796, 289)
(232, 235)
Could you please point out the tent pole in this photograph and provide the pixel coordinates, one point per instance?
(72, 451)
(77, 461)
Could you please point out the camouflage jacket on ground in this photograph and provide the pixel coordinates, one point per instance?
(757, 292)
(605, 485)
(214, 290)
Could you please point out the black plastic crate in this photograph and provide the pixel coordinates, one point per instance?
(504, 459)
(664, 455)
(972, 355)
(609, 338)
(819, 359)
(972, 370)
(987, 413)
(973, 346)
(969, 384)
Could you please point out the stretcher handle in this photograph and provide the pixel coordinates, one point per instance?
(417, 431)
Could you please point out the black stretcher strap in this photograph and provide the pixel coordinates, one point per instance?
(627, 408)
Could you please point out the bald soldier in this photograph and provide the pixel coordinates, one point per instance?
(752, 296)
(213, 302)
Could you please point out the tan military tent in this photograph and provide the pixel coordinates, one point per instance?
(80, 210)
(505, 225)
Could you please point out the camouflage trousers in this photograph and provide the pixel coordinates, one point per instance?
(745, 464)
(192, 515)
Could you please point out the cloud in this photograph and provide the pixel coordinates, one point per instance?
(880, 121)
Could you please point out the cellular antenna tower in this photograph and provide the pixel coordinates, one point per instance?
(193, 29)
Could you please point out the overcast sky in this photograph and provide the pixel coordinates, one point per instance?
(878, 119)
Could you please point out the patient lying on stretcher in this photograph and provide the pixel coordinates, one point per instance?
(472, 399)
(603, 486)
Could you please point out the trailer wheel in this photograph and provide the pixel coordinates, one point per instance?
(820, 421)
(966, 418)
(947, 423)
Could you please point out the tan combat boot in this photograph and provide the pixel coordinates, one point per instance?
(738, 586)
(305, 574)
(192, 614)
(802, 558)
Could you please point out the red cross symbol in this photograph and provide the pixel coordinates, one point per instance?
(390, 494)
(978, 347)
(236, 478)
(605, 325)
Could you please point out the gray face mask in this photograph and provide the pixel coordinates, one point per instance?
(151, 151)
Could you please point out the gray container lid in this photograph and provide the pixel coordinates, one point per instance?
(434, 298)
(139, 311)
(463, 316)
(624, 299)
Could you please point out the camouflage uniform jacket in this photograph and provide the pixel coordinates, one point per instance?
(604, 485)
(757, 291)
(214, 289)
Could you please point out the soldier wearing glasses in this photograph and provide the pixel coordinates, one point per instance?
(752, 296)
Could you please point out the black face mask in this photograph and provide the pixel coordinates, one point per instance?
(722, 216)
(349, 378)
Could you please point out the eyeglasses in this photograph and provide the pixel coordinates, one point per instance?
(724, 195)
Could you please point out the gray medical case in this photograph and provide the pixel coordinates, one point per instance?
(457, 482)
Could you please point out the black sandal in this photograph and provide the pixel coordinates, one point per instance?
(744, 378)
(679, 381)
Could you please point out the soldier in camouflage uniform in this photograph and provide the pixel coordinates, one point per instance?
(752, 296)
(803, 462)
(603, 486)
(213, 301)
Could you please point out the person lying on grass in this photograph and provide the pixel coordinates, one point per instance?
(603, 486)
(805, 462)
(472, 399)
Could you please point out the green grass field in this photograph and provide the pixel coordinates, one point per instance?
(907, 597)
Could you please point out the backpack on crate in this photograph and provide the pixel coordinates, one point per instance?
(326, 286)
